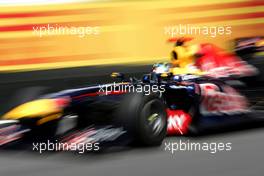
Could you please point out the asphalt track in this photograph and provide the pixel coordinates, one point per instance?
(246, 157)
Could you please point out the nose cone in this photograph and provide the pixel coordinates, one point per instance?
(33, 109)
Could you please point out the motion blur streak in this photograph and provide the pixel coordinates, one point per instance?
(130, 32)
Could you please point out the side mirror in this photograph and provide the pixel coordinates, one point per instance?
(117, 75)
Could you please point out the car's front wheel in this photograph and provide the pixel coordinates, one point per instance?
(144, 118)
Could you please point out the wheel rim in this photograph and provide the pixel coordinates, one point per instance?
(155, 123)
(154, 118)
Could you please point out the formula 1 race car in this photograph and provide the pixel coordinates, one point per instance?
(143, 110)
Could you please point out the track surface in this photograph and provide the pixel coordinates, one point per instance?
(246, 157)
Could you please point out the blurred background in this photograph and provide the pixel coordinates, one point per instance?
(129, 31)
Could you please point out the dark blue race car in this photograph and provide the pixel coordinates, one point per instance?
(138, 111)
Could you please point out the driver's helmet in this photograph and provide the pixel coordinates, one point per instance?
(160, 68)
